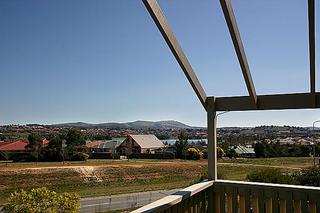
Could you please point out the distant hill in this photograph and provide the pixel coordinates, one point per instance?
(171, 124)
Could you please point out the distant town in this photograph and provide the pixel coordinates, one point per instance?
(145, 139)
(164, 130)
(142, 153)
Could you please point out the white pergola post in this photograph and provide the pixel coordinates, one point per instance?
(212, 139)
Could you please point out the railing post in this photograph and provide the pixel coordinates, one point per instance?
(283, 208)
(229, 202)
(312, 207)
(255, 204)
(244, 200)
(217, 202)
(268, 204)
(296, 206)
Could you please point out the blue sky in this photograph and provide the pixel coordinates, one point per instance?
(105, 60)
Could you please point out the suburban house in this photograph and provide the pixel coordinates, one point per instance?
(294, 140)
(245, 152)
(11, 147)
(140, 144)
(103, 149)
(91, 144)
(7, 148)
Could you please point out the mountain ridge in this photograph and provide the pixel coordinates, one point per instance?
(139, 124)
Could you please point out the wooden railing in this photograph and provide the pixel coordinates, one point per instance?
(235, 196)
(191, 199)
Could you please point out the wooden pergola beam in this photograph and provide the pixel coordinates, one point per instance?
(267, 102)
(161, 22)
(311, 21)
(237, 42)
(212, 139)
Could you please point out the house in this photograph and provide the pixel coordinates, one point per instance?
(14, 146)
(245, 152)
(7, 148)
(295, 140)
(140, 144)
(106, 147)
(92, 144)
(103, 149)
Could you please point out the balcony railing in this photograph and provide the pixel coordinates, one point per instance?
(234, 196)
(191, 199)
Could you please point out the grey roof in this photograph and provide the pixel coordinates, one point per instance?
(244, 150)
(147, 141)
(108, 145)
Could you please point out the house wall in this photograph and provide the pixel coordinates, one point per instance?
(128, 147)
(148, 151)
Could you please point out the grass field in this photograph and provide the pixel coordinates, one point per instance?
(108, 177)
(292, 162)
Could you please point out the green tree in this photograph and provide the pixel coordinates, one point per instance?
(231, 153)
(75, 138)
(309, 177)
(42, 200)
(76, 149)
(303, 151)
(181, 145)
(53, 152)
(260, 150)
(34, 145)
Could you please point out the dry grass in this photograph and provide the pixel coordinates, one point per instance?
(103, 179)
(108, 177)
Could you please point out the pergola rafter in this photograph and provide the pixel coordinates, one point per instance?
(312, 57)
(162, 24)
(238, 46)
(238, 103)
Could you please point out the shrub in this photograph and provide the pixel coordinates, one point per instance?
(168, 155)
(79, 156)
(220, 152)
(42, 200)
(21, 157)
(231, 153)
(270, 175)
(194, 154)
(205, 154)
(309, 177)
(49, 154)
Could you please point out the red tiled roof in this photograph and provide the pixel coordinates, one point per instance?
(94, 143)
(13, 146)
(2, 143)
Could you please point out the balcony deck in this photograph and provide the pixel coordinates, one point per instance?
(237, 196)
